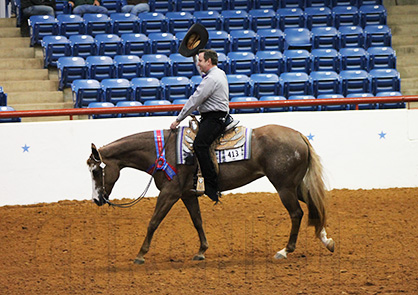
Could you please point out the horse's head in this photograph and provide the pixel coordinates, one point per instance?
(104, 175)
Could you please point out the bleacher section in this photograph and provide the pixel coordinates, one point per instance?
(300, 47)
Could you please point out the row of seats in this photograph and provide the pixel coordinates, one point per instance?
(257, 85)
(246, 63)
(255, 110)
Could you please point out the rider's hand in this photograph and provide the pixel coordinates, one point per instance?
(174, 125)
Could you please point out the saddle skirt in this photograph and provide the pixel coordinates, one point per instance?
(234, 145)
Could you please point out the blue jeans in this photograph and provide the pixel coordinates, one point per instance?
(135, 9)
(87, 8)
(38, 10)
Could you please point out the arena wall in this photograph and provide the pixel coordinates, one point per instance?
(46, 161)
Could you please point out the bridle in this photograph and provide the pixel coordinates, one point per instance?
(102, 165)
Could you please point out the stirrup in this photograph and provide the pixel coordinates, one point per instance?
(230, 123)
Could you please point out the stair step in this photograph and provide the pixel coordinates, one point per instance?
(405, 19)
(406, 50)
(404, 29)
(35, 97)
(42, 106)
(29, 86)
(409, 83)
(21, 63)
(14, 42)
(7, 22)
(47, 119)
(399, 40)
(408, 71)
(19, 75)
(19, 52)
(403, 8)
(406, 61)
(410, 91)
(9, 32)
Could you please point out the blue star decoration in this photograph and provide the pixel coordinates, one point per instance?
(25, 148)
(310, 136)
(382, 135)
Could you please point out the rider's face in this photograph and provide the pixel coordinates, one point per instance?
(203, 64)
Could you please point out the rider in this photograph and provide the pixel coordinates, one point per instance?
(211, 98)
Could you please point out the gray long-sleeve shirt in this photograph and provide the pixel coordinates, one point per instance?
(212, 94)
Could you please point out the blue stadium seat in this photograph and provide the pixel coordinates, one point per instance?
(270, 62)
(290, 18)
(116, 89)
(270, 39)
(124, 23)
(235, 20)
(355, 81)
(297, 38)
(97, 23)
(295, 83)
(152, 22)
(3, 97)
(189, 5)
(297, 60)
(325, 82)
(100, 67)
(292, 3)
(303, 108)
(219, 41)
(244, 40)
(54, 47)
(378, 35)
(109, 44)
(102, 105)
(265, 84)
(381, 57)
(183, 66)
(163, 43)
(210, 19)
(128, 66)
(195, 81)
(129, 104)
(372, 15)
(362, 106)
(71, 24)
(61, 7)
(394, 105)
(354, 59)
(146, 89)
(345, 16)
(351, 36)
(370, 2)
(180, 36)
(273, 98)
(41, 26)
(161, 102)
(341, 107)
(263, 19)
(156, 65)
(241, 5)
(83, 45)
(85, 91)
(325, 37)
(242, 62)
(385, 80)
(239, 85)
(112, 6)
(244, 99)
(179, 21)
(325, 60)
(318, 3)
(136, 43)
(8, 120)
(176, 88)
(266, 4)
(70, 68)
(162, 6)
(217, 5)
(223, 62)
(343, 3)
(318, 17)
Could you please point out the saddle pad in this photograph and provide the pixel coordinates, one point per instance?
(241, 150)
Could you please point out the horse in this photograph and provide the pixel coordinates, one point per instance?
(283, 155)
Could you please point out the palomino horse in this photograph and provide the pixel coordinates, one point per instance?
(283, 155)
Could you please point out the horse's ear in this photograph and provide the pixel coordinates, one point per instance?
(95, 153)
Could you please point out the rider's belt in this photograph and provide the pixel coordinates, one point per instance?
(214, 114)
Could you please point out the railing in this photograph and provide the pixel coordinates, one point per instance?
(233, 105)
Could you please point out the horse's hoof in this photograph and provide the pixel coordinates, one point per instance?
(139, 261)
(199, 257)
(331, 245)
(282, 254)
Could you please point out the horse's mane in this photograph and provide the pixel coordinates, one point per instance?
(126, 144)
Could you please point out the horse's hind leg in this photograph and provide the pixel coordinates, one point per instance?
(290, 201)
(192, 205)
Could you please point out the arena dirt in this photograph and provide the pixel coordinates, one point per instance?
(74, 247)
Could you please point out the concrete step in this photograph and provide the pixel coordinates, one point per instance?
(409, 83)
(19, 52)
(400, 40)
(410, 91)
(406, 50)
(403, 61)
(29, 86)
(404, 29)
(9, 32)
(47, 119)
(408, 71)
(396, 19)
(21, 63)
(19, 75)
(35, 97)
(7, 22)
(14, 42)
(402, 9)
(41, 106)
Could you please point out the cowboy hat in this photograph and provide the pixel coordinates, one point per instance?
(195, 39)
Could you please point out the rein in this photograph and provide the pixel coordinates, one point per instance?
(137, 200)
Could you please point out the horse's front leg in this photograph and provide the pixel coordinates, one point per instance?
(165, 202)
(192, 205)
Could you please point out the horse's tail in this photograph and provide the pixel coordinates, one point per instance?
(312, 190)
